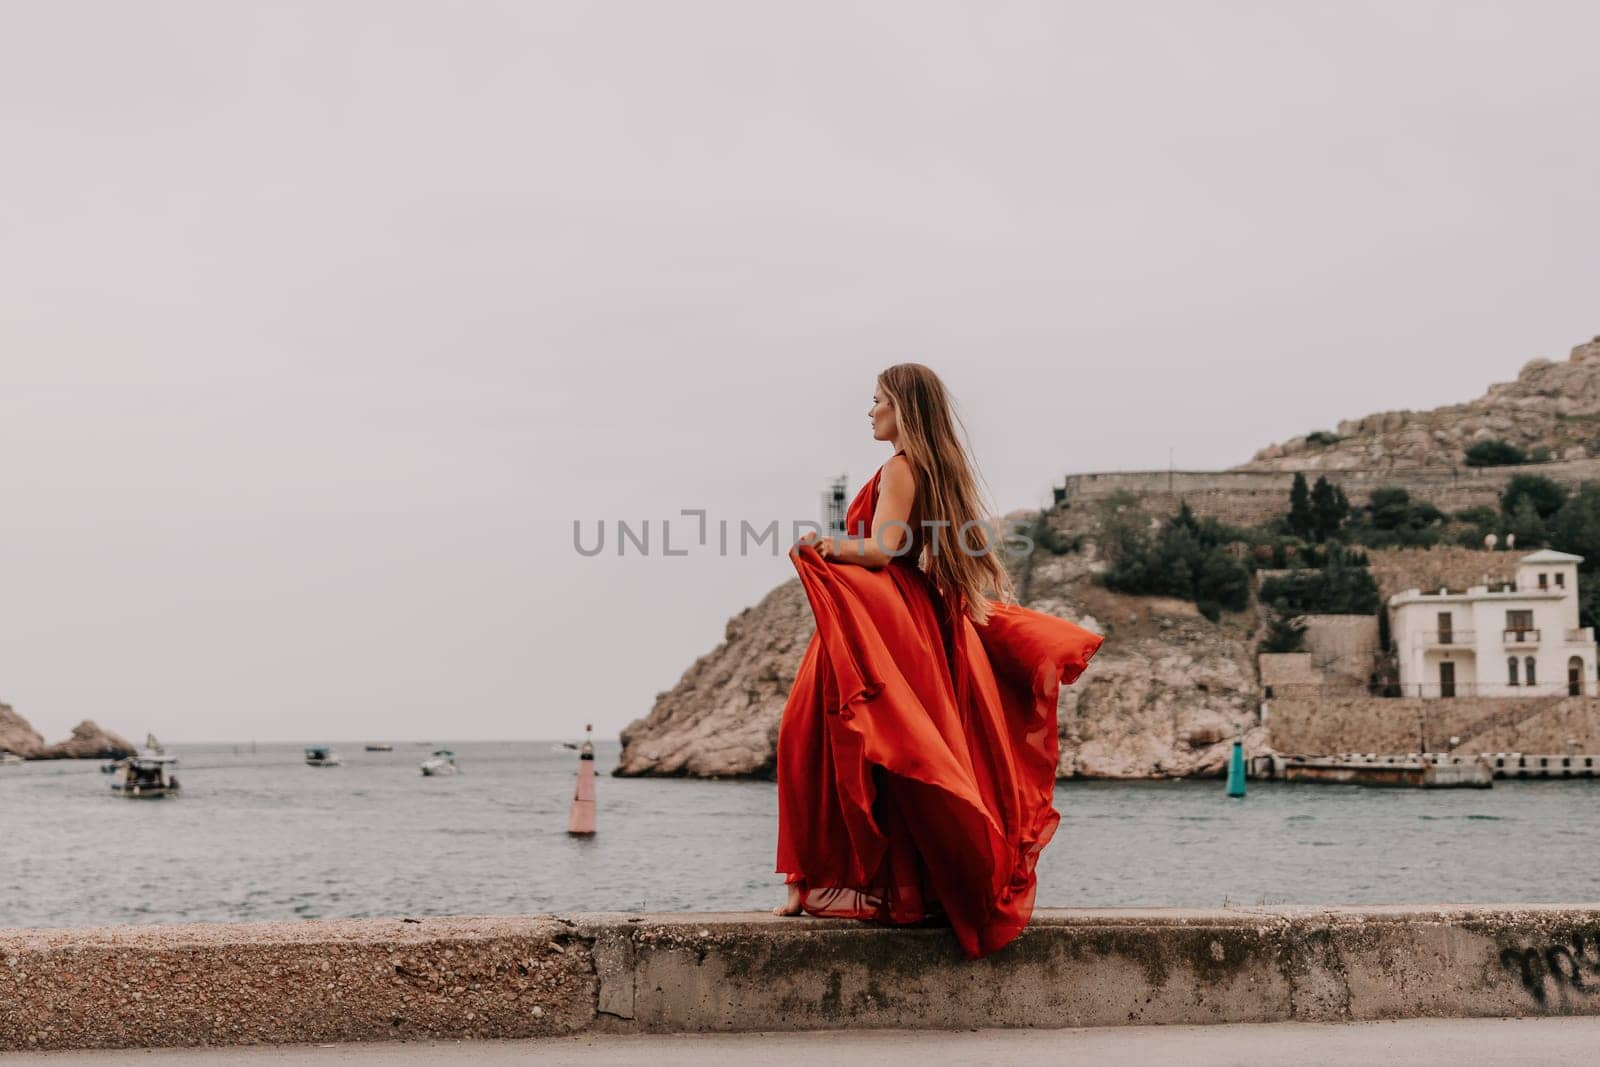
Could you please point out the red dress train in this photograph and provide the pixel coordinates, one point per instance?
(917, 751)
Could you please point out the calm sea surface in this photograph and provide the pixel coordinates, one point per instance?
(259, 835)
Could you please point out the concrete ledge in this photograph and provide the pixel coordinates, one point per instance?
(378, 979)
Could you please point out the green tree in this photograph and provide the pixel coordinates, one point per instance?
(1546, 495)
(1526, 524)
(1390, 507)
(1222, 582)
(1329, 508)
(1300, 520)
(1576, 529)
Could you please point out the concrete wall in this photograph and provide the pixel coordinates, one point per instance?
(516, 977)
(1311, 725)
(1342, 647)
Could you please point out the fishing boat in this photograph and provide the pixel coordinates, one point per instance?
(380, 748)
(322, 756)
(441, 763)
(146, 776)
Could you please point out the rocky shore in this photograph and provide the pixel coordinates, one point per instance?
(88, 740)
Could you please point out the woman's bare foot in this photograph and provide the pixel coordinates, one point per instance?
(790, 906)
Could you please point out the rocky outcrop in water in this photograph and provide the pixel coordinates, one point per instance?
(17, 735)
(1551, 404)
(88, 740)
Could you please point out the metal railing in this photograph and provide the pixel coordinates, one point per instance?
(1522, 637)
(1448, 637)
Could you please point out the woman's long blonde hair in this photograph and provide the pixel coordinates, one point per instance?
(969, 571)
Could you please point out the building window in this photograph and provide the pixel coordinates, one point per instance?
(1527, 670)
(1561, 579)
(1520, 621)
(1511, 669)
(1544, 580)
(1446, 630)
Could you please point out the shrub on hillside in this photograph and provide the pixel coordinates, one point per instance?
(1494, 453)
(1546, 495)
(1343, 586)
(1391, 519)
(1184, 559)
(1283, 634)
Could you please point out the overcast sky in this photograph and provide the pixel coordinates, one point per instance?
(321, 323)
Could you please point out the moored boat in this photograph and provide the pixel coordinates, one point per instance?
(380, 747)
(146, 776)
(441, 763)
(322, 756)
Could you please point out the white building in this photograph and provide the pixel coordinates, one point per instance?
(1516, 639)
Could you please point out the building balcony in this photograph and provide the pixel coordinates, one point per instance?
(1450, 638)
(1522, 637)
(1582, 636)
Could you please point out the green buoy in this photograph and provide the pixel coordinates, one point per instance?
(1236, 770)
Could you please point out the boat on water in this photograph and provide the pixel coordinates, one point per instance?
(146, 776)
(441, 763)
(11, 757)
(380, 748)
(322, 756)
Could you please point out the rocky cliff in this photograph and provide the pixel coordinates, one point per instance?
(1169, 688)
(88, 740)
(721, 719)
(1160, 699)
(1551, 404)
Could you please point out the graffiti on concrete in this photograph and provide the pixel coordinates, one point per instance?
(1570, 964)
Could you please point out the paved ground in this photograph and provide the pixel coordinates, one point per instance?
(1453, 1042)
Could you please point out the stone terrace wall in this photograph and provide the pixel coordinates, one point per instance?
(1306, 725)
(1398, 569)
(1250, 497)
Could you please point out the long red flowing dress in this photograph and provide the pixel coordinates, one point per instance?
(917, 751)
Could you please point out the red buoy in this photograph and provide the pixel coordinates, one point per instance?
(580, 821)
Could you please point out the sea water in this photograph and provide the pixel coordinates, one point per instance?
(257, 834)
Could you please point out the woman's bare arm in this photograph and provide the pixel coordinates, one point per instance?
(890, 522)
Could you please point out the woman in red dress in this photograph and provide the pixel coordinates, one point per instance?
(917, 751)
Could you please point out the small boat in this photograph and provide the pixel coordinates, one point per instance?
(146, 776)
(441, 763)
(380, 748)
(322, 756)
(7, 758)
